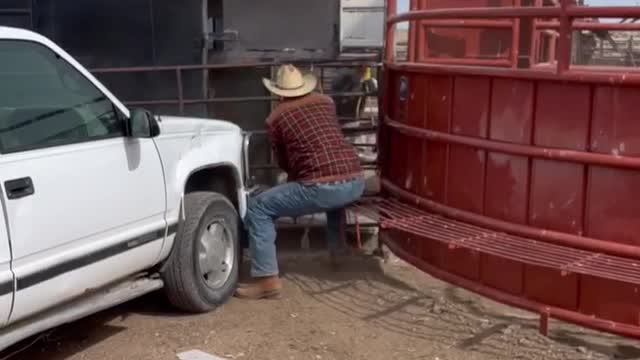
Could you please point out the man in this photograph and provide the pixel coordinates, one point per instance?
(324, 175)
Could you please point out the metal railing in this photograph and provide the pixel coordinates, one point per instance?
(561, 20)
(365, 125)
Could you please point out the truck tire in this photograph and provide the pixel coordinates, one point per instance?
(202, 270)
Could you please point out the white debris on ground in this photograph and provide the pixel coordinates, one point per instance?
(198, 355)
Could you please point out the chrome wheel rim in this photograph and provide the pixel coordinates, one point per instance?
(216, 254)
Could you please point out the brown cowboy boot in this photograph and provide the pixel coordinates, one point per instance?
(262, 288)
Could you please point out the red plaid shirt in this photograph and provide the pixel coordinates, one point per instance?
(308, 143)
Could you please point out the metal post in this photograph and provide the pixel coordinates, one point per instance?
(515, 40)
(414, 28)
(32, 16)
(389, 28)
(535, 39)
(552, 48)
(544, 322)
(564, 41)
(358, 234)
(180, 90)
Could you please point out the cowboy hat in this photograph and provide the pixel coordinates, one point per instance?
(291, 83)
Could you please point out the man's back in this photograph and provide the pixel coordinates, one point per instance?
(308, 142)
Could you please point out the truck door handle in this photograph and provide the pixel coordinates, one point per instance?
(19, 188)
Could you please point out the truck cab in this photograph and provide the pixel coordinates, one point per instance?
(102, 203)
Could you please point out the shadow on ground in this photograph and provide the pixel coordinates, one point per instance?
(418, 306)
(392, 297)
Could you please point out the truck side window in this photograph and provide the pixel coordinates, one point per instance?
(46, 102)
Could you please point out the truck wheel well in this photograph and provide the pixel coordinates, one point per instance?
(220, 179)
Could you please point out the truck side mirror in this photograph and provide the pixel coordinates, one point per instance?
(142, 124)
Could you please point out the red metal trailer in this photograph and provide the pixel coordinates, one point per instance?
(508, 170)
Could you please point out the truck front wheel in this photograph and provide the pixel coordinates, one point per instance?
(202, 270)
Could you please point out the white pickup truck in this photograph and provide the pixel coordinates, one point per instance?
(101, 203)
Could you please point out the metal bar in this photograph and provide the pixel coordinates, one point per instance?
(564, 40)
(413, 42)
(544, 323)
(603, 11)
(552, 49)
(515, 40)
(228, 99)
(358, 235)
(280, 225)
(389, 47)
(15, 11)
(180, 91)
(513, 300)
(585, 25)
(468, 23)
(239, 65)
(479, 13)
(550, 236)
(619, 76)
(393, 214)
(32, 20)
(534, 52)
(274, 167)
(345, 129)
(466, 61)
(517, 149)
(566, 10)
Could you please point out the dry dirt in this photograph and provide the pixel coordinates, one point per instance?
(371, 310)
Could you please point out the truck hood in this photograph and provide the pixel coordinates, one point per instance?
(172, 125)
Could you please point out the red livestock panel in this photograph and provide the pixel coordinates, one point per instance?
(518, 182)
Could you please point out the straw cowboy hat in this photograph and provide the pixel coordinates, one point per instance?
(291, 83)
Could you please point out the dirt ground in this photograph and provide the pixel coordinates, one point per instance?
(370, 310)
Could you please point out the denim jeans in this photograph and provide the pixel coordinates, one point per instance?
(291, 200)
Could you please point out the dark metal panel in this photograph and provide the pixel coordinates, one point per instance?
(16, 13)
(265, 28)
(100, 33)
(15, 4)
(127, 33)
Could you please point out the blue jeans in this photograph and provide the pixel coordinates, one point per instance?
(291, 200)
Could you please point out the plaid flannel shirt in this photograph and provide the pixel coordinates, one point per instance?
(308, 143)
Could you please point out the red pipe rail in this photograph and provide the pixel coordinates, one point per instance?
(554, 237)
(544, 310)
(181, 102)
(516, 149)
(560, 18)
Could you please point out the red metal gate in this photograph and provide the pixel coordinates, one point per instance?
(508, 172)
